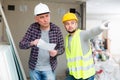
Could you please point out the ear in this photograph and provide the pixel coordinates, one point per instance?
(76, 24)
(36, 19)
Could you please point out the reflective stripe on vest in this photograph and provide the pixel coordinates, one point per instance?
(80, 66)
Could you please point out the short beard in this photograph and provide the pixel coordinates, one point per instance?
(71, 31)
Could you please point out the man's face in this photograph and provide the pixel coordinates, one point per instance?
(70, 26)
(43, 20)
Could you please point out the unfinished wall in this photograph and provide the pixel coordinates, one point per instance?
(20, 19)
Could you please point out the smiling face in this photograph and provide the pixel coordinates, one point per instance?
(70, 26)
(43, 20)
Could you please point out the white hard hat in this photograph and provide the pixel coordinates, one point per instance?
(40, 9)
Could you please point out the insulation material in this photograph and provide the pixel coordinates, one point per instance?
(8, 69)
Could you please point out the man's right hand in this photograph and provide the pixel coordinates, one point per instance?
(104, 25)
(34, 43)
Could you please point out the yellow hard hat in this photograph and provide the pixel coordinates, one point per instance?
(69, 16)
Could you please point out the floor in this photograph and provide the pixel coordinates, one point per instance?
(58, 78)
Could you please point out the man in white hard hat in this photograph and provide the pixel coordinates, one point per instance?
(42, 61)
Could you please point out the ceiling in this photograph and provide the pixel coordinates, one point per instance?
(103, 6)
(102, 9)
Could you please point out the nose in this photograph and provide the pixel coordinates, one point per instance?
(45, 19)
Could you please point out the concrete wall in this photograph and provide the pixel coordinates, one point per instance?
(20, 19)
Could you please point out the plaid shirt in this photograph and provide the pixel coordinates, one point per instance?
(34, 32)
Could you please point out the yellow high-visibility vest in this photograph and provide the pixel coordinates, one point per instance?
(80, 66)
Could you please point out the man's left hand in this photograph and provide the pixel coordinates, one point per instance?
(53, 53)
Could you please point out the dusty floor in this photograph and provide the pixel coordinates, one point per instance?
(58, 78)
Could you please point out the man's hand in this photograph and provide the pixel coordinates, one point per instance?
(53, 53)
(34, 43)
(104, 25)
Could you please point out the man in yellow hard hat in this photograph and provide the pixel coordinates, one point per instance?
(78, 51)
